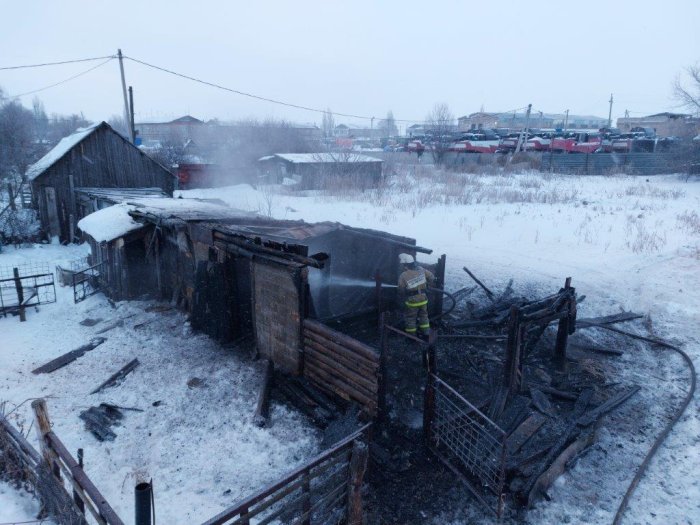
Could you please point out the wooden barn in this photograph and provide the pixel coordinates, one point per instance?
(90, 159)
(239, 274)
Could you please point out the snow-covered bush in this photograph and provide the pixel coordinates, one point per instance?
(17, 226)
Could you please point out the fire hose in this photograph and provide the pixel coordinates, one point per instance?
(667, 429)
(449, 310)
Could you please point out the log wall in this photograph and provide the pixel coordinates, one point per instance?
(341, 365)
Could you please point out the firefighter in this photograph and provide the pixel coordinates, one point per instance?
(413, 285)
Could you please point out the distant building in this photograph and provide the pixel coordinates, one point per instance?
(664, 124)
(359, 132)
(316, 170)
(515, 120)
(183, 128)
(91, 158)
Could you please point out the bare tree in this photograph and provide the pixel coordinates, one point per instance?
(440, 125)
(688, 94)
(119, 125)
(389, 125)
(328, 123)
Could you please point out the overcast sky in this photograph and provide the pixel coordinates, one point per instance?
(356, 57)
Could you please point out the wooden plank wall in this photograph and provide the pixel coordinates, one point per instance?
(277, 313)
(342, 365)
(103, 160)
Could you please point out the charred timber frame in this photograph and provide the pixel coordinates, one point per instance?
(559, 307)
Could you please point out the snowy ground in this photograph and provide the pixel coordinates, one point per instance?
(631, 243)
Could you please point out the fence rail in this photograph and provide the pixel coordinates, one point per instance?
(324, 490)
(469, 443)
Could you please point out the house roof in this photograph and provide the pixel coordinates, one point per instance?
(321, 158)
(60, 150)
(66, 144)
(116, 221)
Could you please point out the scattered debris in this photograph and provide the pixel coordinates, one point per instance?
(112, 326)
(90, 322)
(158, 308)
(195, 382)
(99, 420)
(117, 376)
(71, 356)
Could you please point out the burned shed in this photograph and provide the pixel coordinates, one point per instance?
(91, 158)
(321, 170)
(239, 274)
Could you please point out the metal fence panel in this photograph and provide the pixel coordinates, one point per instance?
(88, 282)
(469, 443)
(33, 281)
(602, 163)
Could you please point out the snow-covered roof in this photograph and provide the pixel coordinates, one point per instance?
(59, 150)
(323, 158)
(109, 223)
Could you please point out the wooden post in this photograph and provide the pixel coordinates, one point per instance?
(20, 294)
(306, 492)
(429, 395)
(563, 331)
(511, 366)
(381, 393)
(378, 296)
(358, 466)
(43, 427)
(76, 497)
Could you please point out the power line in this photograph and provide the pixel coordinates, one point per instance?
(250, 95)
(56, 63)
(271, 100)
(63, 81)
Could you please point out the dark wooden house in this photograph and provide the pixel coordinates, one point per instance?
(91, 158)
(239, 274)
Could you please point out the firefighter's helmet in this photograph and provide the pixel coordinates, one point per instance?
(406, 258)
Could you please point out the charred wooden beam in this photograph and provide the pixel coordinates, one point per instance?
(609, 405)
(69, 357)
(556, 469)
(118, 376)
(262, 411)
(489, 293)
(525, 430)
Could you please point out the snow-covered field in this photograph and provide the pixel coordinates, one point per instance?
(628, 242)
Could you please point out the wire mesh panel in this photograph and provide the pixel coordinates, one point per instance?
(25, 285)
(88, 281)
(469, 442)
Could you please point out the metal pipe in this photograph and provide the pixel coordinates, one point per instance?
(142, 504)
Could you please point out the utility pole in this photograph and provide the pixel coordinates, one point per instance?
(610, 112)
(541, 118)
(522, 138)
(566, 120)
(126, 101)
(132, 126)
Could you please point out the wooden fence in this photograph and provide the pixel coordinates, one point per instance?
(61, 463)
(342, 365)
(327, 489)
